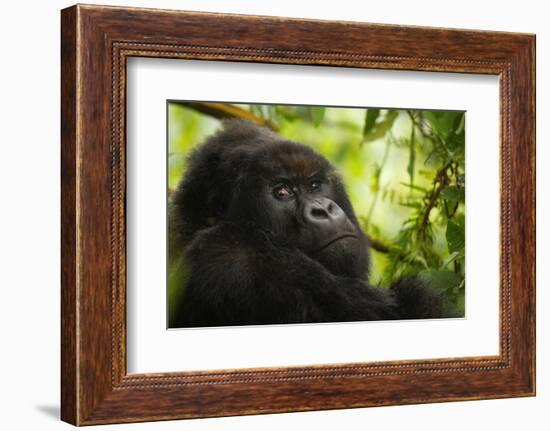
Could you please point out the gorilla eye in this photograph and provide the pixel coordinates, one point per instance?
(282, 191)
(315, 185)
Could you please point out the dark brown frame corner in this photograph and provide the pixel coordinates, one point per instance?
(95, 43)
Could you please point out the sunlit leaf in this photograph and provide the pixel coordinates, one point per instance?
(460, 123)
(370, 120)
(317, 115)
(380, 129)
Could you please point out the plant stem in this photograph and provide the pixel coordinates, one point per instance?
(440, 182)
(377, 192)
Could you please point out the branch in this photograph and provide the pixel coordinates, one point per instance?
(440, 182)
(378, 245)
(226, 110)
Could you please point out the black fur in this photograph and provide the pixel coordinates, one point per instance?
(254, 255)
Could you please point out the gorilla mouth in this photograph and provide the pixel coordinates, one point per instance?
(335, 239)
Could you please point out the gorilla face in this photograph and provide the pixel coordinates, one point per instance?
(293, 195)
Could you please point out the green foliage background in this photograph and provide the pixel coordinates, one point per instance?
(404, 171)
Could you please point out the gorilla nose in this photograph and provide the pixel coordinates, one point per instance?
(323, 210)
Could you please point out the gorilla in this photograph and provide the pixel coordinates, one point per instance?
(267, 235)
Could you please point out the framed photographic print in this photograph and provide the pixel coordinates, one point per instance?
(286, 215)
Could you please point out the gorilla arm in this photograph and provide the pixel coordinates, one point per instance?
(241, 278)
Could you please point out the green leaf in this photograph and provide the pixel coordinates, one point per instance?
(459, 124)
(453, 193)
(415, 187)
(380, 129)
(416, 205)
(444, 122)
(317, 115)
(454, 256)
(370, 120)
(441, 279)
(286, 112)
(455, 236)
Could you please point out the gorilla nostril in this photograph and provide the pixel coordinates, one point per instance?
(319, 213)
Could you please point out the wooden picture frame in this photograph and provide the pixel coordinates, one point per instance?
(95, 43)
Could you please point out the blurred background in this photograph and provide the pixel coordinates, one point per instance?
(403, 170)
